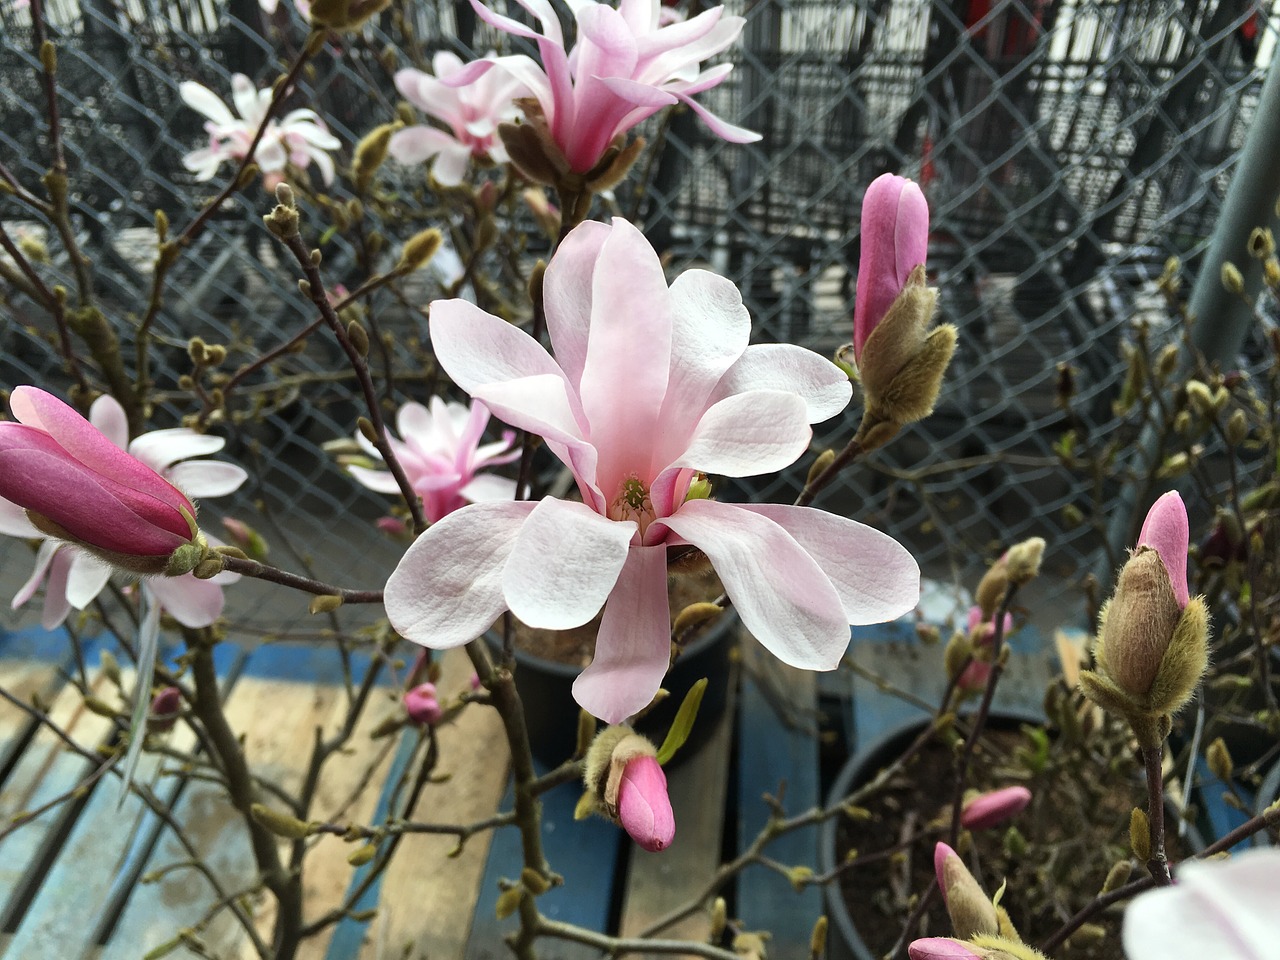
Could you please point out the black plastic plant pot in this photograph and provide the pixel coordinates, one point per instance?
(551, 713)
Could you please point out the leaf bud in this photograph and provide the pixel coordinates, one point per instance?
(1262, 243)
(281, 824)
(418, 250)
(1140, 834)
(358, 337)
(362, 854)
(820, 464)
(1232, 281)
(1218, 758)
(1117, 876)
(1237, 428)
(325, 603)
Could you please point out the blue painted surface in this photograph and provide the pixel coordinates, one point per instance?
(768, 751)
(1218, 816)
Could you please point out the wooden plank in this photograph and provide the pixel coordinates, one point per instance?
(109, 836)
(584, 852)
(777, 740)
(30, 661)
(285, 693)
(424, 899)
(656, 883)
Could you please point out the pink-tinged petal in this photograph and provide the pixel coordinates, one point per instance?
(417, 424)
(207, 478)
(192, 602)
(651, 45)
(640, 16)
(496, 453)
(781, 593)
(379, 481)
(895, 240)
(488, 487)
(14, 522)
(430, 95)
(541, 405)
(44, 557)
(638, 94)
(505, 24)
(624, 378)
(940, 948)
(566, 295)
(244, 95)
(1221, 909)
(56, 605)
(565, 562)
(451, 165)
(108, 418)
(748, 434)
(418, 144)
(633, 645)
(994, 807)
(160, 449)
(941, 854)
(1167, 531)
(447, 588)
(876, 577)
(729, 132)
(644, 808)
(72, 432)
(676, 61)
(205, 101)
(784, 366)
(473, 422)
(86, 577)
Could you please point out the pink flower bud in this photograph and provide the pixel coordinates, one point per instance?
(994, 807)
(392, 526)
(644, 809)
(422, 705)
(895, 240)
(985, 633)
(941, 853)
(975, 677)
(78, 485)
(475, 681)
(1167, 531)
(164, 708)
(940, 948)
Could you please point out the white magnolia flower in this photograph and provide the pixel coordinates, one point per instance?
(299, 137)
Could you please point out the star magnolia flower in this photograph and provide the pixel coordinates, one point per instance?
(300, 137)
(441, 456)
(1220, 909)
(73, 577)
(472, 114)
(649, 386)
(624, 68)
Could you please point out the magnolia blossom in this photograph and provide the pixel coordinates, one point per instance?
(650, 385)
(994, 807)
(472, 114)
(441, 454)
(300, 137)
(1220, 909)
(73, 576)
(625, 66)
(422, 705)
(644, 807)
(894, 241)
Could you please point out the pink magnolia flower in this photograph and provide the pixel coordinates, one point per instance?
(644, 809)
(650, 385)
(471, 113)
(1167, 531)
(624, 67)
(299, 137)
(994, 807)
(422, 705)
(1224, 909)
(73, 576)
(941, 948)
(895, 240)
(441, 454)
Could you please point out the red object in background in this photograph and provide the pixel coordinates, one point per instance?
(1010, 34)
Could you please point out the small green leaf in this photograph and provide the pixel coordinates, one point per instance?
(682, 726)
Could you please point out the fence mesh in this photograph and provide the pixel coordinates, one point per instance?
(1067, 147)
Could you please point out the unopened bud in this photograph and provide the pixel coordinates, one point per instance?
(325, 603)
(1262, 243)
(362, 854)
(110, 667)
(971, 912)
(370, 153)
(994, 807)
(422, 706)
(1168, 361)
(818, 938)
(1140, 834)
(281, 824)
(1218, 758)
(820, 465)
(719, 918)
(693, 615)
(418, 250)
(1232, 281)
(1023, 560)
(358, 337)
(165, 706)
(1117, 876)
(1237, 428)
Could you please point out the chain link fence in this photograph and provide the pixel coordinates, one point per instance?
(1067, 147)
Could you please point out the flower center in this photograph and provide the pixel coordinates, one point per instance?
(632, 502)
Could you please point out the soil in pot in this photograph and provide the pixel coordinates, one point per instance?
(1055, 858)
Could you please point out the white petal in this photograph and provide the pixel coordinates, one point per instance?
(56, 605)
(44, 557)
(451, 165)
(488, 486)
(876, 577)
(783, 366)
(379, 481)
(86, 578)
(108, 416)
(447, 588)
(749, 434)
(207, 478)
(14, 522)
(418, 144)
(566, 295)
(160, 448)
(566, 560)
(204, 100)
(633, 646)
(781, 593)
(192, 602)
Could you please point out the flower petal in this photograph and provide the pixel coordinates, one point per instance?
(44, 557)
(56, 605)
(633, 646)
(205, 101)
(192, 602)
(86, 578)
(566, 295)
(207, 478)
(876, 577)
(160, 449)
(451, 165)
(783, 366)
(418, 144)
(379, 481)
(488, 486)
(447, 588)
(108, 418)
(781, 593)
(565, 562)
(14, 522)
(1167, 531)
(748, 434)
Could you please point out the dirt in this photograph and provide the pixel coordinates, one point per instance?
(1066, 867)
(690, 582)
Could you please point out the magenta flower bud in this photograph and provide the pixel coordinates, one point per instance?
(164, 708)
(985, 633)
(994, 807)
(1167, 531)
(975, 676)
(895, 240)
(422, 705)
(77, 485)
(940, 948)
(644, 809)
(941, 853)
(392, 526)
